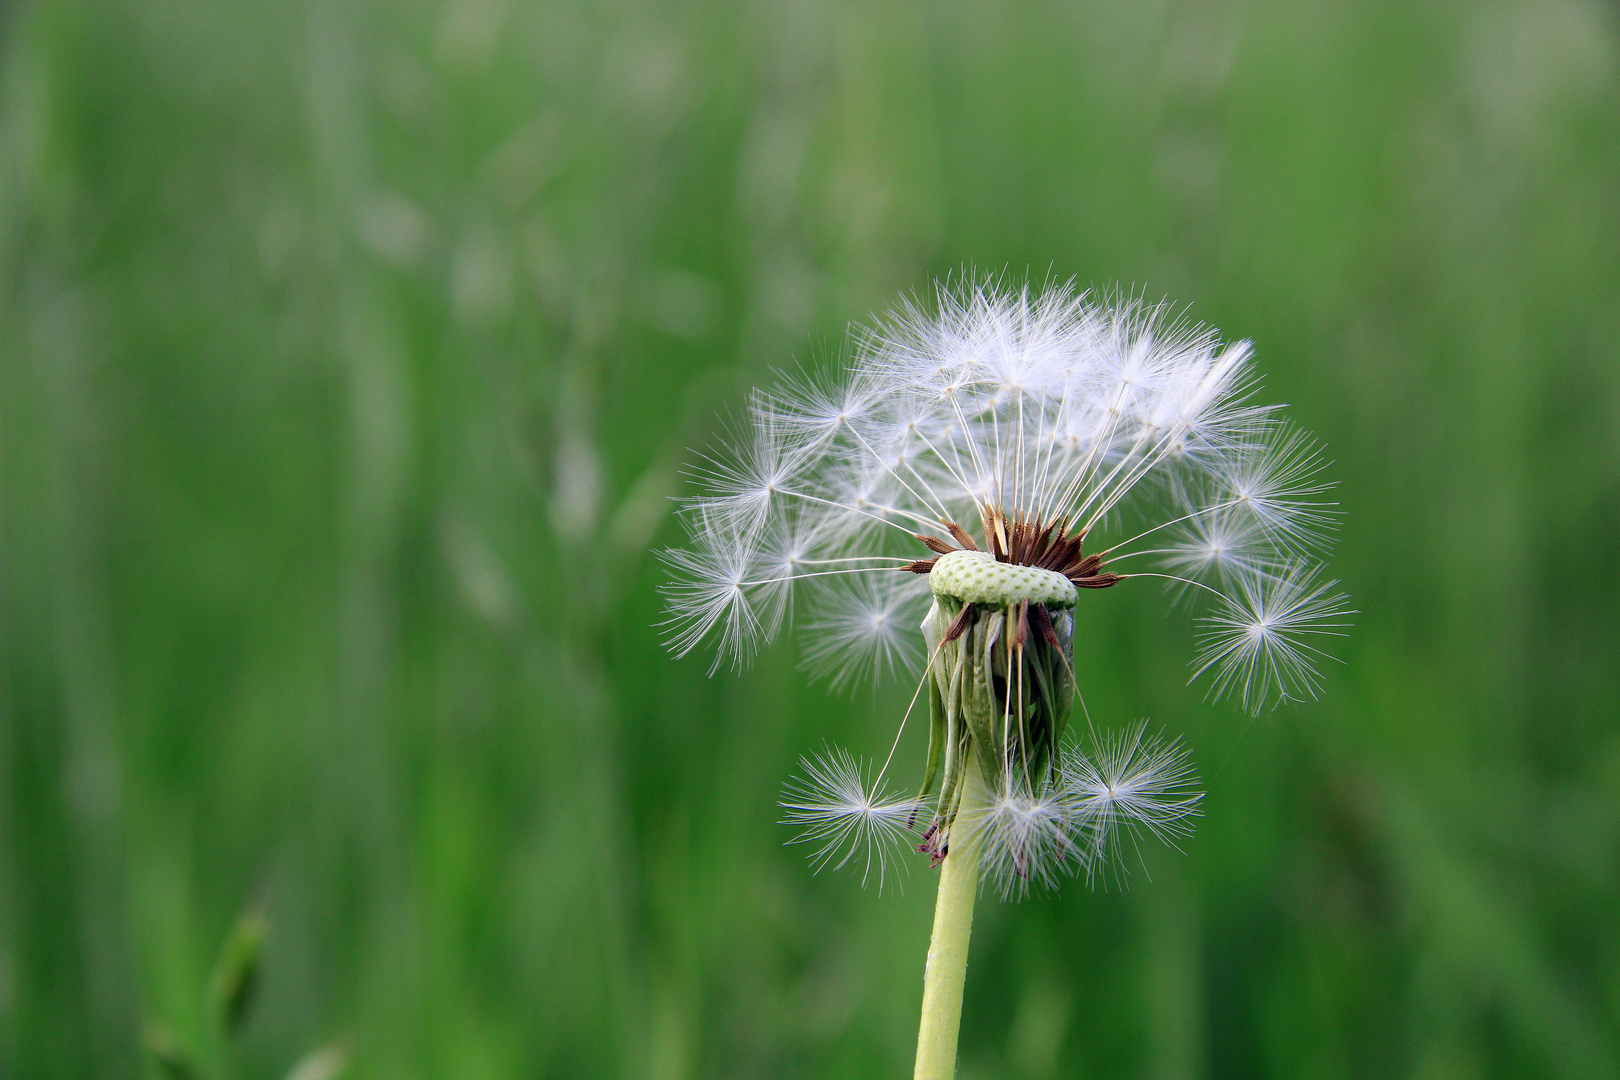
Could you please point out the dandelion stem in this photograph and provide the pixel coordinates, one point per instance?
(953, 925)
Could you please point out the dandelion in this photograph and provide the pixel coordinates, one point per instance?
(980, 467)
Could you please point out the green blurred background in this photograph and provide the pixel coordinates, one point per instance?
(349, 355)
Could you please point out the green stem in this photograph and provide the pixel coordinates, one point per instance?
(953, 926)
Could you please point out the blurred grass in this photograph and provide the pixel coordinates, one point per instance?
(349, 354)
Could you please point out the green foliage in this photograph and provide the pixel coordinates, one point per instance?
(349, 354)
(229, 994)
(236, 972)
(170, 1058)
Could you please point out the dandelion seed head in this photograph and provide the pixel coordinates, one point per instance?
(1053, 442)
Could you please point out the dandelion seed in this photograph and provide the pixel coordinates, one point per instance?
(1132, 785)
(871, 618)
(1226, 546)
(845, 818)
(1260, 643)
(1275, 478)
(710, 597)
(1029, 837)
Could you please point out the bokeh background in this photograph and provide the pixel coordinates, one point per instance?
(349, 358)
